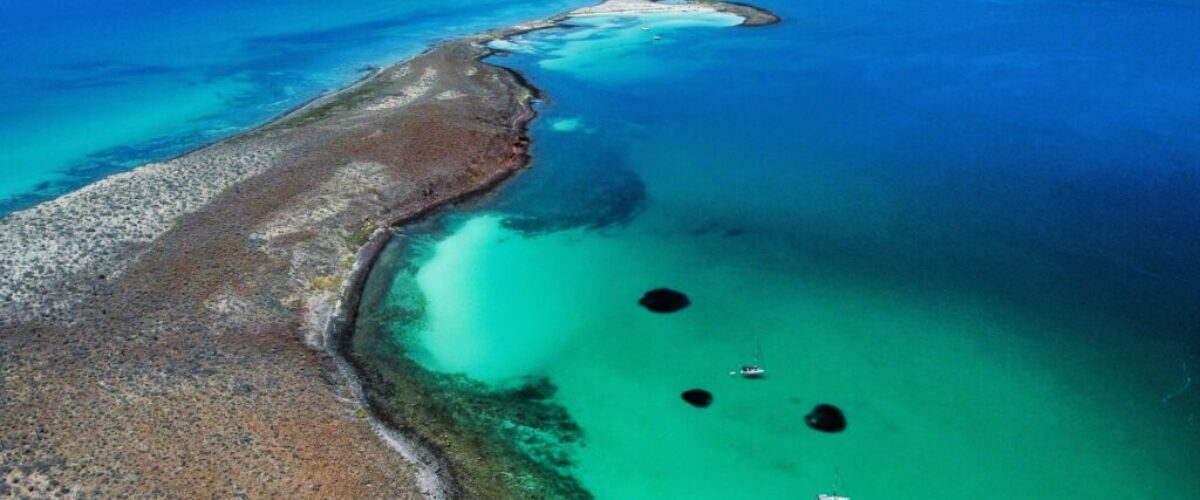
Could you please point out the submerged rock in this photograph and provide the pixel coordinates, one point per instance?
(826, 418)
(536, 389)
(598, 193)
(664, 300)
(699, 398)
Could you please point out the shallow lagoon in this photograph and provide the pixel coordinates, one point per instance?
(960, 225)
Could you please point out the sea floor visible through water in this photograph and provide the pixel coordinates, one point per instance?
(948, 222)
(96, 88)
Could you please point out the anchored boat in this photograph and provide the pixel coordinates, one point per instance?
(837, 485)
(753, 370)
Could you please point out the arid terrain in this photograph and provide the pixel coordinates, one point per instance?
(162, 332)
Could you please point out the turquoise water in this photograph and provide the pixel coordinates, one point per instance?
(974, 227)
(93, 88)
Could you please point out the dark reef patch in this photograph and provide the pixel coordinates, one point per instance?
(826, 418)
(512, 440)
(664, 300)
(594, 194)
(699, 398)
(535, 389)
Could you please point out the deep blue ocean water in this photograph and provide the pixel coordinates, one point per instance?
(974, 226)
(92, 88)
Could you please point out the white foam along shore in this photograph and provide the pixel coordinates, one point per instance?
(635, 7)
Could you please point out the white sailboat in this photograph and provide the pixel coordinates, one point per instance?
(755, 369)
(837, 485)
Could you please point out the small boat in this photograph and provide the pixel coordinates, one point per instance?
(657, 38)
(645, 28)
(749, 371)
(837, 485)
(753, 370)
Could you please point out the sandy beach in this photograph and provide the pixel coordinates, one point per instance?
(753, 16)
(174, 330)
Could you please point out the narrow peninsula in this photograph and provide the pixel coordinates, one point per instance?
(176, 329)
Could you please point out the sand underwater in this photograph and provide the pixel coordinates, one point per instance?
(98, 88)
(974, 228)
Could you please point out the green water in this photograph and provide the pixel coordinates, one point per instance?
(978, 348)
(941, 392)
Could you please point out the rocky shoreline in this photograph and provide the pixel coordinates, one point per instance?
(174, 330)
